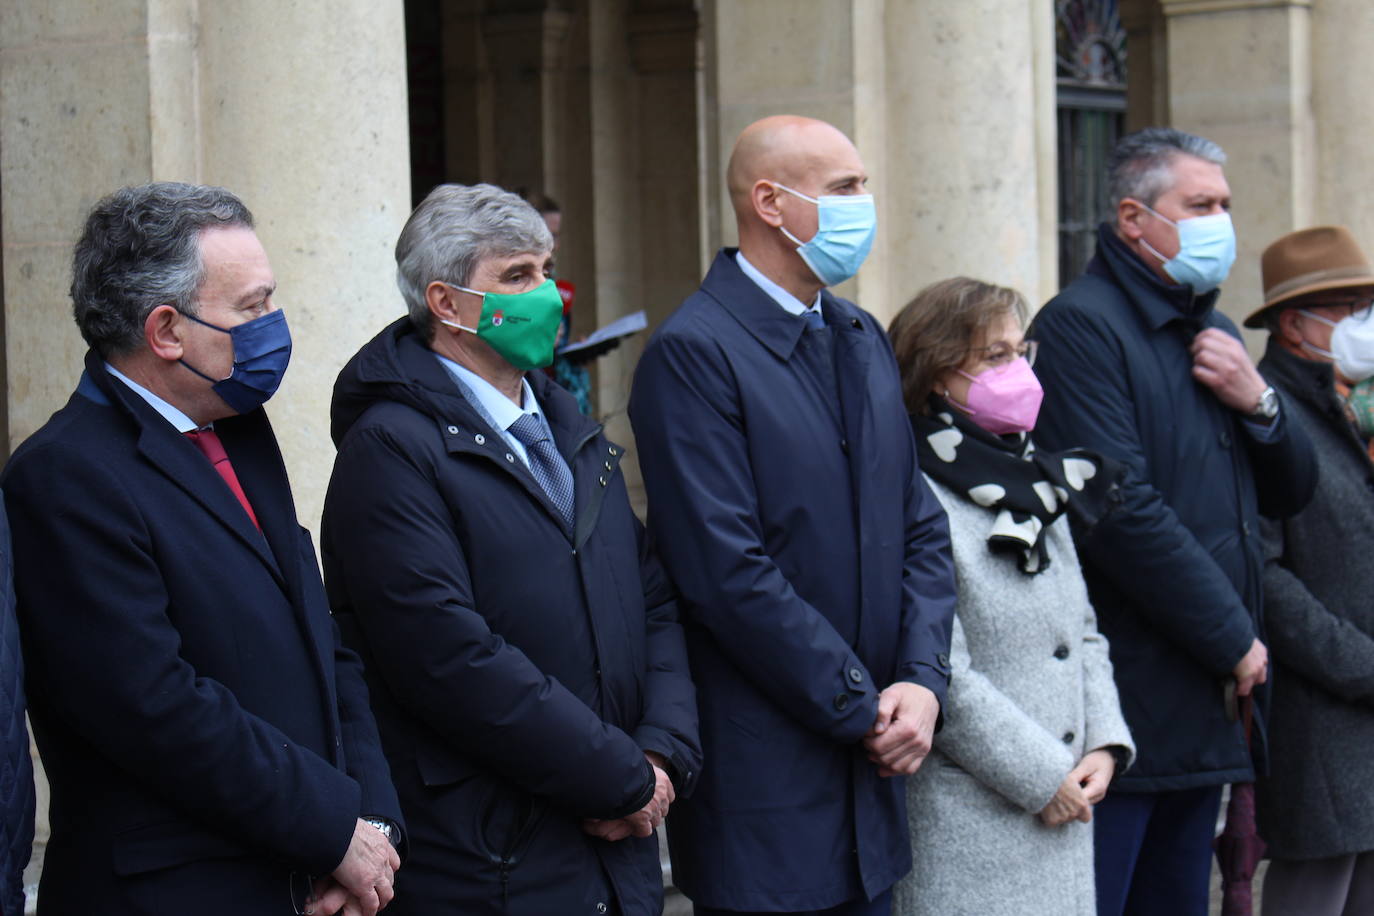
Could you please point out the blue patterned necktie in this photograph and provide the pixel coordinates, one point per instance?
(547, 465)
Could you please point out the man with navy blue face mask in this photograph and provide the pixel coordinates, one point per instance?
(207, 739)
(1138, 364)
(812, 559)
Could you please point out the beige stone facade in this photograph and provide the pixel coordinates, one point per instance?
(624, 111)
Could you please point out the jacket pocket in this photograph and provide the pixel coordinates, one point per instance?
(507, 821)
(440, 766)
(164, 845)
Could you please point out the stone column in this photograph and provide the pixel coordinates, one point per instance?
(969, 184)
(1342, 71)
(948, 105)
(1240, 73)
(299, 108)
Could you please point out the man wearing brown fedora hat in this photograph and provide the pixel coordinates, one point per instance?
(1314, 805)
(1138, 364)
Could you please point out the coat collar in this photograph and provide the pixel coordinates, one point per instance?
(1158, 302)
(251, 448)
(769, 323)
(1308, 380)
(398, 366)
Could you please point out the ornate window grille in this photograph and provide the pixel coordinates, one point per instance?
(1091, 69)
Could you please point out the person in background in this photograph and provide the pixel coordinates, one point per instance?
(1314, 806)
(571, 374)
(206, 737)
(527, 664)
(812, 559)
(17, 799)
(1033, 729)
(1139, 366)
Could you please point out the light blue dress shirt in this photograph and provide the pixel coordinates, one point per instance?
(498, 410)
(183, 423)
(779, 295)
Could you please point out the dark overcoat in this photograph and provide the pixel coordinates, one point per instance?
(204, 733)
(519, 670)
(16, 767)
(815, 570)
(1319, 612)
(1175, 573)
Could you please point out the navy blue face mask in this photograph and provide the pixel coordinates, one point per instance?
(262, 348)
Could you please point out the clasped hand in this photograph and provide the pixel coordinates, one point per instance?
(362, 884)
(1084, 786)
(644, 821)
(904, 729)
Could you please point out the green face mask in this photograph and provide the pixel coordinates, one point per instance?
(521, 327)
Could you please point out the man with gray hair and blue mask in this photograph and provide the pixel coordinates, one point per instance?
(206, 737)
(526, 662)
(1138, 364)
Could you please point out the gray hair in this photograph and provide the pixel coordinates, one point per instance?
(140, 249)
(1141, 166)
(453, 228)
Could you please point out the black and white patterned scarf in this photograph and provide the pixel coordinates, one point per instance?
(1025, 489)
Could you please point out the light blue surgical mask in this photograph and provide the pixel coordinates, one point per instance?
(1206, 250)
(845, 225)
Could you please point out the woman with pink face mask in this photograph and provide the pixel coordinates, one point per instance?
(1033, 731)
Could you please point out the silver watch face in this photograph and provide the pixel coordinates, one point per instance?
(1268, 404)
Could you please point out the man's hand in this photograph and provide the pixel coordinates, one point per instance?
(644, 821)
(1069, 802)
(1221, 363)
(1252, 669)
(1094, 773)
(362, 884)
(901, 735)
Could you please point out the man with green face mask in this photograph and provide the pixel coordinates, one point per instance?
(528, 670)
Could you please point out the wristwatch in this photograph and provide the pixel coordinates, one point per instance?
(1268, 406)
(387, 828)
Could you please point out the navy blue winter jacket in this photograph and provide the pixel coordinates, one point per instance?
(1174, 574)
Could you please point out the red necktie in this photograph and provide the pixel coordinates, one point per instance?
(207, 440)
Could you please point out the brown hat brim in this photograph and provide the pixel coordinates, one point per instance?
(1256, 318)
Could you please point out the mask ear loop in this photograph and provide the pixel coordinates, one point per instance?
(454, 324)
(811, 200)
(1157, 215)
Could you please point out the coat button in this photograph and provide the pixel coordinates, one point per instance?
(607, 465)
(1245, 528)
(1068, 737)
(601, 480)
(480, 439)
(856, 323)
(612, 451)
(1224, 438)
(943, 659)
(841, 701)
(1061, 653)
(601, 907)
(453, 430)
(510, 457)
(844, 446)
(856, 674)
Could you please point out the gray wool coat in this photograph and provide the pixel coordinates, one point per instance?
(1031, 693)
(1318, 799)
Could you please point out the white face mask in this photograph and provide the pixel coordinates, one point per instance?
(1352, 343)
